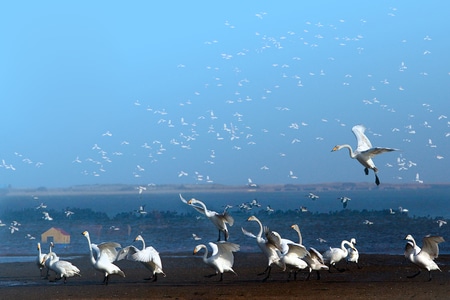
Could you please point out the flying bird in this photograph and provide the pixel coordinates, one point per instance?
(423, 258)
(344, 201)
(221, 259)
(364, 151)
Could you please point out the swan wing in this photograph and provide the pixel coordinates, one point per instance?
(127, 253)
(316, 254)
(225, 252)
(248, 233)
(147, 255)
(214, 247)
(108, 250)
(362, 140)
(370, 153)
(273, 238)
(298, 250)
(430, 245)
(226, 217)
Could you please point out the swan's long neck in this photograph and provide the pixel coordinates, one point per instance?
(300, 239)
(39, 250)
(143, 244)
(90, 250)
(350, 150)
(205, 255)
(343, 243)
(202, 205)
(260, 228)
(51, 258)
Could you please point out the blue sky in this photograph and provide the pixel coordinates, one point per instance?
(111, 92)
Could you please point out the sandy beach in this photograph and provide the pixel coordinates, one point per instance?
(381, 276)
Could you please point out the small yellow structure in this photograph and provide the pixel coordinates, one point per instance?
(56, 235)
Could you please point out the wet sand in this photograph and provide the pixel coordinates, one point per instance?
(381, 276)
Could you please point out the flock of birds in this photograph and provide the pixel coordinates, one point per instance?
(288, 255)
(200, 138)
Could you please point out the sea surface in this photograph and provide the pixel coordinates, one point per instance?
(168, 223)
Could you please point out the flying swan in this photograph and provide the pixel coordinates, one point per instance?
(221, 259)
(364, 151)
(103, 262)
(148, 256)
(423, 258)
(219, 220)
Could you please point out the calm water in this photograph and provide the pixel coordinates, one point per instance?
(169, 223)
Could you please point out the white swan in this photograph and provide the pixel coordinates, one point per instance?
(47, 262)
(313, 259)
(61, 267)
(335, 255)
(221, 259)
(423, 258)
(40, 262)
(271, 246)
(148, 256)
(353, 254)
(107, 254)
(219, 220)
(364, 151)
(292, 255)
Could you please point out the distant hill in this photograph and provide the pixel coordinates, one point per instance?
(179, 188)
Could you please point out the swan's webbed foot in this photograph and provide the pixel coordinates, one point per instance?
(318, 275)
(263, 272)
(211, 275)
(267, 270)
(377, 180)
(414, 275)
(366, 171)
(152, 278)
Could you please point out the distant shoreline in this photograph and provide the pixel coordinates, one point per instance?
(128, 189)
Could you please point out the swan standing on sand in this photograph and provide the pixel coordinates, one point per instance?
(40, 258)
(364, 151)
(292, 255)
(219, 220)
(271, 246)
(335, 255)
(148, 256)
(47, 262)
(106, 255)
(221, 259)
(353, 254)
(423, 258)
(61, 267)
(313, 259)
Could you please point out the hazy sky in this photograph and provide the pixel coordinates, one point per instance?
(189, 92)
